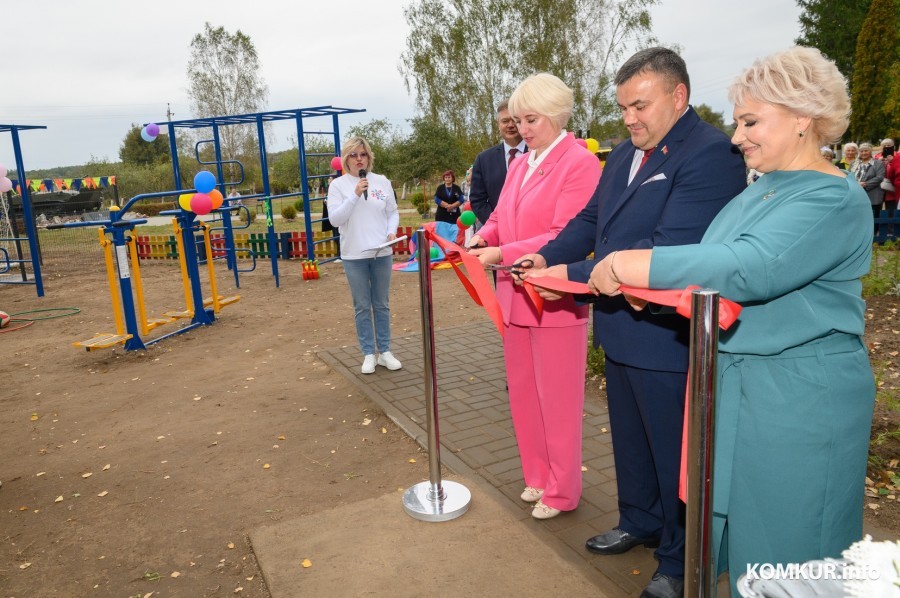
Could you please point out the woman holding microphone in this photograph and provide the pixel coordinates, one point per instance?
(363, 206)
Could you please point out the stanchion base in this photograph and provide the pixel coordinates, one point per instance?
(418, 505)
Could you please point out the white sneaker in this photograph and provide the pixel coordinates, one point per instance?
(389, 361)
(368, 365)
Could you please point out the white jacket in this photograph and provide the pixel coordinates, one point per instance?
(363, 223)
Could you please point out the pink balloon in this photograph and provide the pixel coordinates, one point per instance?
(5, 184)
(336, 163)
(201, 204)
(582, 142)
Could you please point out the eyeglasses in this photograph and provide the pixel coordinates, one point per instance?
(356, 155)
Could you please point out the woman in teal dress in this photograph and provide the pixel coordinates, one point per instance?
(796, 390)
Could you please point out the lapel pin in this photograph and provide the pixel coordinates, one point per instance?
(769, 194)
(541, 172)
(665, 150)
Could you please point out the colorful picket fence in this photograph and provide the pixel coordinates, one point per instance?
(290, 245)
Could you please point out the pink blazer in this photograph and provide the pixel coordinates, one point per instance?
(528, 217)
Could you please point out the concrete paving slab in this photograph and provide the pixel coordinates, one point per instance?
(373, 548)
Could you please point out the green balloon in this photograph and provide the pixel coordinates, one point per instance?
(467, 218)
(435, 253)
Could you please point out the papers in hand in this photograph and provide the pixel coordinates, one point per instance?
(388, 243)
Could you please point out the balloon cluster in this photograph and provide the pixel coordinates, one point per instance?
(207, 198)
(466, 219)
(150, 132)
(5, 183)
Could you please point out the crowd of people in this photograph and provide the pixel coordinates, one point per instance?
(761, 217)
(877, 173)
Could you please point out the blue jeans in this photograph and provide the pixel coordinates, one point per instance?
(370, 282)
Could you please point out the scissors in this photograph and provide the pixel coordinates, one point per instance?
(515, 269)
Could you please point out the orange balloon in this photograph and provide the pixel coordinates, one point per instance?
(216, 196)
(184, 201)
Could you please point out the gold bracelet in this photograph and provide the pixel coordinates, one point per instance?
(612, 269)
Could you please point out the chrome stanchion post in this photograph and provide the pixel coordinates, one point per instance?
(699, 561)
(433, 500)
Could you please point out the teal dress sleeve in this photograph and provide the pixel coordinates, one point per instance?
(791, 249)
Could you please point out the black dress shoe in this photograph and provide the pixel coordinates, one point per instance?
(616, 541)
(663, 586)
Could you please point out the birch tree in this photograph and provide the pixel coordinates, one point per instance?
(464, 56)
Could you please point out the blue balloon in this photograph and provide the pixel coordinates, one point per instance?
(204, 181)
(146, 136)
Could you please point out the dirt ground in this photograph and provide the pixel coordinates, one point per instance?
(130, 473)
(138, 474)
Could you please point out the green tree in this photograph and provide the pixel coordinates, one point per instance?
(877, 58)
(832, 26)
(429, 150)
(384, 139)
(465, 56)
(716, 119)
(224, 79)
(135, 151)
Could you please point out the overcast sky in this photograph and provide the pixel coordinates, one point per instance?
(87, 69)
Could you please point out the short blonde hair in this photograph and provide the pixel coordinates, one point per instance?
(803, 81)
(545, 94)
(355, 144)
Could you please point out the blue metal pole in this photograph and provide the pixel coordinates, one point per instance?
(186, 223)
(120, 249)
(270, 219)
(28, 215)
(230, 257)
(173, 150)
(304, 185)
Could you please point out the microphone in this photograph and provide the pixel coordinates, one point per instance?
(362, 175)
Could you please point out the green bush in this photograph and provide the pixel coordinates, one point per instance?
(596, 360)
(884, 277)
(421, 203)
(289, 212)
(298, 205)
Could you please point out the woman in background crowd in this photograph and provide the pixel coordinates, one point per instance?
(448, 197)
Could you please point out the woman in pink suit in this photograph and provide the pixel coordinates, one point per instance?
(545, 353)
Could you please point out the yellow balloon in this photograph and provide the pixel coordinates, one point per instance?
(185, 201)
(593, 145)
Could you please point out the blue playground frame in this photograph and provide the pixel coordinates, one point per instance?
(260, 119)
(121, 229)
(28, 217)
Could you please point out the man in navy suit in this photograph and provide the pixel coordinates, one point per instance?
(663, 187)
(489, 169)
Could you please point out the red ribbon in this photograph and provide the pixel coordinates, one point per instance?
(478, 286)
(482, 293)
(680, 299)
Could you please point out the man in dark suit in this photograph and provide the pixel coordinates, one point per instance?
(663, 187)
(489, 169)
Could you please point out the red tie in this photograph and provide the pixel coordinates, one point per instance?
(646, 155)
(512, 154)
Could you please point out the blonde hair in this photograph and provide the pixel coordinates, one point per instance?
(354, 144)
(803, 81)
(545, 94)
